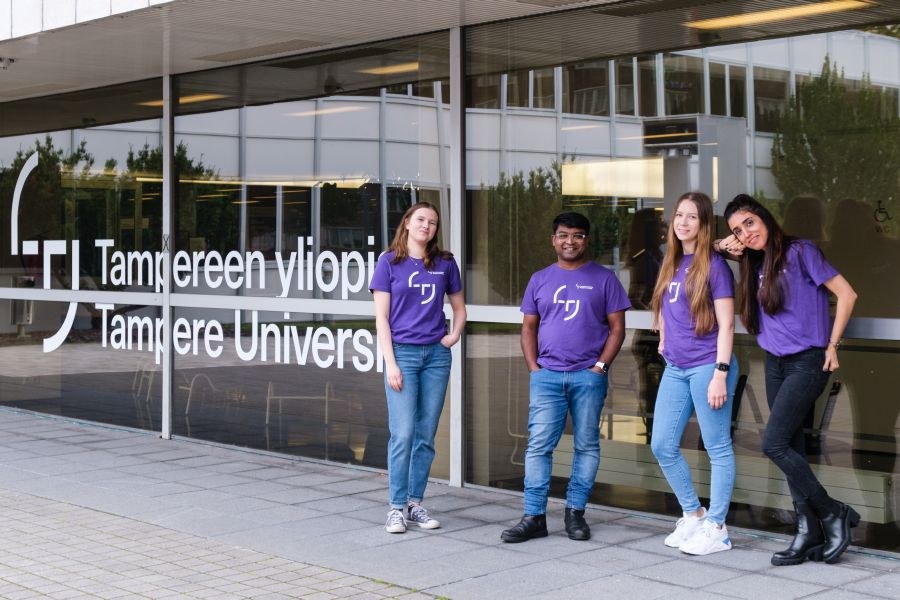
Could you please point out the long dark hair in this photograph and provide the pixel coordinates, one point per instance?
(768, 262)
(697, 281)
(401, 236)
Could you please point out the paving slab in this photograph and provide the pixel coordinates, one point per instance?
(90, 511)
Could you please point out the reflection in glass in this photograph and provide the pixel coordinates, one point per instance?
(544, 88)
(586, 88)
(517, 89)
(517, 185)
(67, 198)
(349, 217)
(647, 85)
(625, 86)
(737, 87)
(484, 91)
(717, 85)
(108, 369)
(683, 84)
(772, 93)
(301, 386)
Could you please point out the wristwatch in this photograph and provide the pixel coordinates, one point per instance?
(601, 365)
(723, 367)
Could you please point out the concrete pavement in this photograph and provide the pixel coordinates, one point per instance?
(96, 512)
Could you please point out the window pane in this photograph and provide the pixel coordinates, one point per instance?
(544, 90)
(647, 85)
(586, 88)
(624, 86)
(737, 85)
(772, 93)
(717, 89)
(484, 91)
(349, 216)
(295, 217)
(517, 89)
(684, 84)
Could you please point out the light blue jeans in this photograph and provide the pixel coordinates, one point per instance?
(554, 394)
(413, 415)
(681, 393)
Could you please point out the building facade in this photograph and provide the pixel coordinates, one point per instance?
(193, 194)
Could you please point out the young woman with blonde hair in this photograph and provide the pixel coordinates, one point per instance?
(693, 307)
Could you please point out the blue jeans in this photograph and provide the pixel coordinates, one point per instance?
(793, 383)
(413, 415)
(553, 395)
(681, 393)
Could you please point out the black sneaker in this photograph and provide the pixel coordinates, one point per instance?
(531, 526)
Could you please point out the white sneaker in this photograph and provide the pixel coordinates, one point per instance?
(685, 527)
(420, 516)
(708, 539)
(395, 521)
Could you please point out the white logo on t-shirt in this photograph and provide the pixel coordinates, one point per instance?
(566, 303)
(423, 287)
(674, 288)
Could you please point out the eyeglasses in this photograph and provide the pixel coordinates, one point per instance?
(575, 237)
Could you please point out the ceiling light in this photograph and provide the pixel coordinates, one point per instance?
(326, 111)
(407, 67)
(191, 99)
(779, 14)
(628, 178)
(578, 127)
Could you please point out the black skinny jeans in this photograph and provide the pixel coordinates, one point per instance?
(793, 383)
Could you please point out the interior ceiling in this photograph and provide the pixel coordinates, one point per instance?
(193, 35)
(198, 35)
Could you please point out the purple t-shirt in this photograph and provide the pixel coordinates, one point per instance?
(803, 322)
(417, 296)
(683, 347)
(572, 307)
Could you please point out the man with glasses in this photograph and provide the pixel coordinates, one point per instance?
(573, 328)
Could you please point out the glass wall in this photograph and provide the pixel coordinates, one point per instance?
(291, 181)
(80, 215)
(680, 122)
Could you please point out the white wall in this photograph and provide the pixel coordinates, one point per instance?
(19, 18)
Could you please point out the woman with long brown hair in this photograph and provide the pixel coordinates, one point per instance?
(693, 307)
(409, 284)
(786, 283)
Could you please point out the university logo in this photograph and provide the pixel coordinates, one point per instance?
(428, 289)
(567, 304)
(674, 289)
(51, 247)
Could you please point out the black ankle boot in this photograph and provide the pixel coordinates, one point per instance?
(837, 531)
(531, 526)
(576, 526)
(808, 542)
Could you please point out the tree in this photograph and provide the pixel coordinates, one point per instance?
(519, 214)
(218, 222)
(50, 201)
(839, 141)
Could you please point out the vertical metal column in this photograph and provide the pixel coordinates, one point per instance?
(457, 208)
(168, 197)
